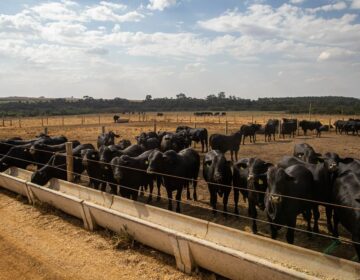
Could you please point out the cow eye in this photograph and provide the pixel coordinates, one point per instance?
(93, 156)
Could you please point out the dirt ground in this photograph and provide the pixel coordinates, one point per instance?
(43, 243)
(346, 146)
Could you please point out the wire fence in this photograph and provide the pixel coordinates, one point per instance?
(340, 239)
(197, 180)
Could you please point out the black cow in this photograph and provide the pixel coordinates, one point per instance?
(92, 165)
(130, 173)
(339, 124)
(56, 167)
(107, 153)
(288, 126)
(346, 192)
(197, 135)
(175, 141)
(310, 125)
(41, 153)
(116, 118)
(123, 144)
(294, 181)
(249, 130)
(6, 145)
(217, 173)
(323, 174)
(21, 157)
(271, 128)
(149, 143)
(106, 139)
(250, 174)
(185, 164)
(306, 153)
(225, 143)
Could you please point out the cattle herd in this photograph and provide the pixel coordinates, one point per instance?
(296, 185)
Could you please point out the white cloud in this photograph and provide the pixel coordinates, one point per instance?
(355, 4)
(296, 1)
(330, 7)
(115, 6)
(290, 22)
(105, 13)
(56, 11)
(160, 4)
(324, 56)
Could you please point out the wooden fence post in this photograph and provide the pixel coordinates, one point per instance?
(63, 121)
(42, 121)
(226, 127)
(20, 123)
(3, 122)
(10, 122)
(177, 118)
(45, 130)
(69, 162)
(103, 129)
(99, 119)
(155, 125)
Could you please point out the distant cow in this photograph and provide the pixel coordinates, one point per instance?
(106, 139)
(197, 135)
(271, 127)
(294, 181)
(182, 168)
(175, 141)
(116, 118)
(289, 127)
(310, 125)
(160, 114)
(225, 143)
(249, 130)
(217, 173)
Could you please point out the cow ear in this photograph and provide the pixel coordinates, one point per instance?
(347, 160)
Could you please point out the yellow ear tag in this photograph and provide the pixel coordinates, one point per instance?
(242, 168)
(146, 162)
(261, 182)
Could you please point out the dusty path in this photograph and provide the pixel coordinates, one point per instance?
(42, 243)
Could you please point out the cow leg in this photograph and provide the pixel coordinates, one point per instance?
(253, 214)
(113, 188)
(225, 202)
(194, 183)
(178, 198)
(188, 196)
(236, 154)
(274, 231)
(356, 238)
(151, 188)
(290, 231)
(329, 211)
(158, 184)
(236, 200)
(307, 217)
(231, 154)
(134, 194)
(213, 198)
(169, 194)
(316, 218)
(202, 145)
(336, 225)
(273, 136)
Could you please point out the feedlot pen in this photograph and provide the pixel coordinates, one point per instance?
(344, 145)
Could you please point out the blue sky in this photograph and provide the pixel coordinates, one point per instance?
(250, 49)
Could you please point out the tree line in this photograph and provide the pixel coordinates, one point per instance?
(219, 102)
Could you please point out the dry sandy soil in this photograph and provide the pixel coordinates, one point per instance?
(43, 243)
(80, 253)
